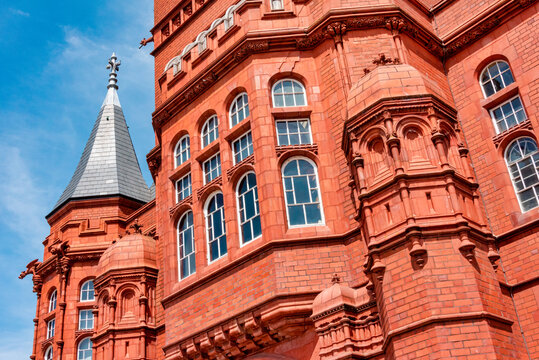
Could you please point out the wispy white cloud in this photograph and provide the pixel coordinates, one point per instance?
(19, 12)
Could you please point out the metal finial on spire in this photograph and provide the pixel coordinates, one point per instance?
(114, 67)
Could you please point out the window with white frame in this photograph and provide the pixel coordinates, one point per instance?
(183, 187)
(86, 320)
(215, 227)
(182, 153)
(277, 5)
(495, 77)
(87, 291)
(242, 147)
(210, 131)
(84, 350)
(293, 132)
(249, 211)
(522, 158)
(239, 109)
(48, 353)
(52, 300)
(186, 245)
(287, 93)
(212, 168)
(302, 193)
(508, 114)
(50, 328)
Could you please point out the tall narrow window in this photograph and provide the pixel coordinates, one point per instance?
(522, 159)
(242, 147)
(210, 131)
(212, 168)
(50, 328)
(48, 353)
(87, 291)
(186, 245)
(84, 350)
(276, 4)
(495, 77)
(508, 114)
(52, 300)
(248, 208)
(215, 227)
(288, 93)
(239, 109)
(182, 153)
(293, 132)
(86, 320)
(302, 193)
(183, 187)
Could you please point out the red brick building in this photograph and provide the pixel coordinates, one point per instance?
(334, 179)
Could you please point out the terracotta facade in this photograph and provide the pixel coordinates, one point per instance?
(400, 234)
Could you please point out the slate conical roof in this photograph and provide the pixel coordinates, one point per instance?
(108, 165)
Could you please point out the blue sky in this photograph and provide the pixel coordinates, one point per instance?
(53, 58)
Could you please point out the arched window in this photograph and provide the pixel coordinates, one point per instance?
(182, 152)
(186, 245)
(87, 291)
(52, 300)
(302, 194)
(48, 353)
(248, 208)
(288, 92)
(495, 77)
(210, 130)
(215, 227)
(522, 159)
(239, 109)
(84, 350)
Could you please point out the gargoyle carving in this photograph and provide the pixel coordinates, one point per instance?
(30, 268)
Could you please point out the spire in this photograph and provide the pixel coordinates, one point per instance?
(108, 165)
(112, 95)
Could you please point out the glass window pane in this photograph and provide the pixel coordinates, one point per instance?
(289, 99)
(305, 168)
(301, 189)
(300, 100)
(257, 228)
(313, 213)
(279, 101)
(294, 139)
(489, 89)
(287, 85)
(296, 215)
(507, 78)
(283, 140)
(246, 232)
(291, 168)
(281, 127)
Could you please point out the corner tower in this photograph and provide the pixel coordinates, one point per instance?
(106, 194)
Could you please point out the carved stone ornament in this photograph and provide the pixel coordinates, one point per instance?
(249, 48)
(336, 30)
(383, 60)
(472, 35)
(154, 161)
(200, 86)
